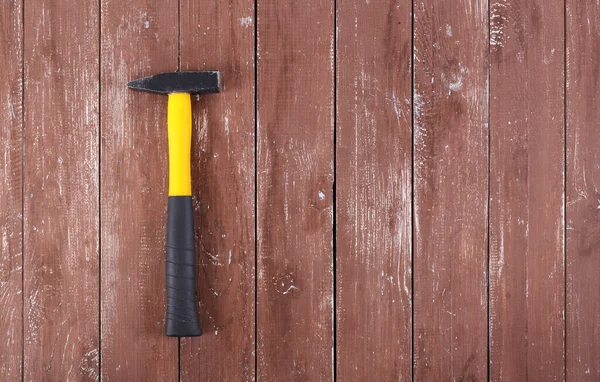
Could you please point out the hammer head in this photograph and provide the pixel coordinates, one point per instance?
(201, 82)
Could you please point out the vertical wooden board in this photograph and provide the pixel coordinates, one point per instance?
(583, 197)
(450, 189)
(294, 190)
(61, 186)
(11, 91)
(374, 190)
(139, 38)
(216, 35)
(527, 190)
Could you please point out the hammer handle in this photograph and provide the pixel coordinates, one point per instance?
(182, 312)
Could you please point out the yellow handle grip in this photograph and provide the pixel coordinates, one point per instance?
(179, 118)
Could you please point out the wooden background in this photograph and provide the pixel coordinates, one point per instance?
(384, 190)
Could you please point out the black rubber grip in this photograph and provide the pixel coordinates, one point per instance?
(182, 313)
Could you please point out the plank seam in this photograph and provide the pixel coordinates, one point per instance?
(334, 195)
(565, 191)
(489, 188)
(100, 189)
(22, 190)
(255, 190)
(412, 192)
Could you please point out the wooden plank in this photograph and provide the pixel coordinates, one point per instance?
(583, 181)
(61, 206)
(295, 190)
(139, 38)
(450, 189)
(221, 36)
(527, 190)
(374, 190)
(11, 195)
(527, 183)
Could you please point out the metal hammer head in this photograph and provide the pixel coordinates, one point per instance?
(202, 82)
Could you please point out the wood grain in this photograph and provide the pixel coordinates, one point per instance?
(220, 36)
(527, 190)
(139, 38)
(82, 284)
(61, 186)
(374, 190)
(11, 195)
(583, 197)
(295, 190)
(450, 189)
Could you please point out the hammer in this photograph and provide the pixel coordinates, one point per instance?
(182, 313)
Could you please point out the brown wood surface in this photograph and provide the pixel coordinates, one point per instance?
(374, 190)
(583, 197)
(527, 190)
(384, 190)
(61, 209)
(11, 213)
(295, 190)
(216, 35)
(450, 189)
(139, 38)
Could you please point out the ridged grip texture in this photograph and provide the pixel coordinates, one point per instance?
(182, 312)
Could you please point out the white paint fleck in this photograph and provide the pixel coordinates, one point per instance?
(288, 290)
(397, 105)
(246, 21)
(501, 252)
(226, 124)
(89, 364)
(4, 240)
(390, 278)
(11, 109)
(497, 21)
(449, 312)
(456, 82)
(448, 30)
(321, 195)
(146, 24)
(520, 56)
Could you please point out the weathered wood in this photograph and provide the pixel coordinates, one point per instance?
(583, 197)
(527, 190)
(139, 38)
(11, 92)
(61, 186)
(374, 190)
(295, 190)
(220, 36)
(450, 189)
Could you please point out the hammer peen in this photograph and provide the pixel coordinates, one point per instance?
(182, 311)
